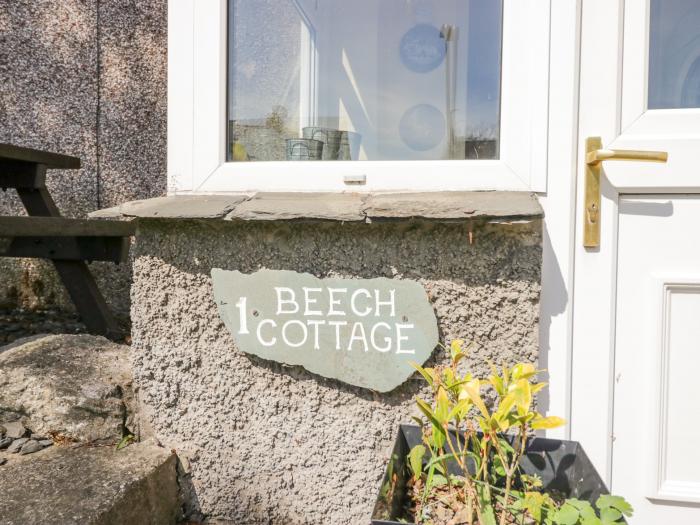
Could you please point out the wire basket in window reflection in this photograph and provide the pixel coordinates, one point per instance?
(337, 144)
(304, 149)
(331, 138)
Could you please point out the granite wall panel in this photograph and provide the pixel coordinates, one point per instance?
(86, 78)
(133, 100)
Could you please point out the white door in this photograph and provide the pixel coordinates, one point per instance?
(635, 366)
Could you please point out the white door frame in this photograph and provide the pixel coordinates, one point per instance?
(594, 312)
(559, 203)
(613, 101)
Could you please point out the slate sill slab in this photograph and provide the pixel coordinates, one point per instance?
(341, 207)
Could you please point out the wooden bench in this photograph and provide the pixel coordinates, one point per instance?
(68, 243)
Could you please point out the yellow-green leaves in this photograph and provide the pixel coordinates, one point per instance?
(427, 373)
(473, 388)
(460, 410)
(513, 406)
(456, 348)
(523, 371)
(428, 411)
(608, 501)
(501, 402)
(439, 429)
(442, 406)
(578, 512)
(522, 391)
(546, 423)
(448, 377)
(537, 387)
(537, 503)
(501, 420)
(498, 384)
(488, 513)
(415, 460)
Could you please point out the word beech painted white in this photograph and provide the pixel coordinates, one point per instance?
(379, 336)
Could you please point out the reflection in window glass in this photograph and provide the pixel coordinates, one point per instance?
(674, 54)
(364, 80)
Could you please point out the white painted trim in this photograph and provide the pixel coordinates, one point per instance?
(595, 277)
(381, 175)
(308, 76)
(676, 131)
(200, 140)
(180, 94)
(559, 203)
(661, 488)
(209, 74)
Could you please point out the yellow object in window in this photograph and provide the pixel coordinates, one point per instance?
(238, 152)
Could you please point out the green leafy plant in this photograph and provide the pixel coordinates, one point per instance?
(125, 441)
(475, 431)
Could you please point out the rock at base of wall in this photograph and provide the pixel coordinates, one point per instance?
(74, 386)
(92, 486)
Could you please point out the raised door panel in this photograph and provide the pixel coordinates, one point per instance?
(655, 458)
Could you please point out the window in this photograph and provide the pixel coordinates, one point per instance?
(363, 80)
(414, 95)
(674, 54)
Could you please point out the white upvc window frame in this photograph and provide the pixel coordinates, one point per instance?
(197, 83)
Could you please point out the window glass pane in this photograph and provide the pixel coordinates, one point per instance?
(674, 54)
(364, 79)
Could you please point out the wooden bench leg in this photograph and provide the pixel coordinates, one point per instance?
(75, 275)
(87, 298)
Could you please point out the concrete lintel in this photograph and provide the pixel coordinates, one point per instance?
(453, 206)
(344, 207)
(447, 206)
(183, 207)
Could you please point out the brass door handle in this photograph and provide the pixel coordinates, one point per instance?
(595, 155)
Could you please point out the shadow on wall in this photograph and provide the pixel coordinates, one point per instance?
(556, 298)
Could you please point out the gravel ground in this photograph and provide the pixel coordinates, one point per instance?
(17, 323)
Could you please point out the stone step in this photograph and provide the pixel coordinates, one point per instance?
(91, 485)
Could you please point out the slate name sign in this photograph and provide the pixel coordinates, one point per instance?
(360, 331)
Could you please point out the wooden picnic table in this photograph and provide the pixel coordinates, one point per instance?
(68, 243)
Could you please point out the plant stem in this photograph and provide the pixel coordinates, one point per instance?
(471, 491)
(511, 471)
(506, 497)
(428, 479)
(509, 475)
(470, 508)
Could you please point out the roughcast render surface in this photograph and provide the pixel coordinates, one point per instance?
(85, 78)
(265, 443)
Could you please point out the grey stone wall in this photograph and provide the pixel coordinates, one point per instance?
(266, 443)
(86, 78)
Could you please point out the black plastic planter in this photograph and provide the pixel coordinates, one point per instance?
(562, 465)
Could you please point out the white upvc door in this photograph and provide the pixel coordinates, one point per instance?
(636, 321)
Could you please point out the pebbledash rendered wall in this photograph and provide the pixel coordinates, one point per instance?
(85, 78)
(263, 443)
